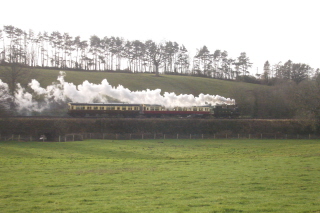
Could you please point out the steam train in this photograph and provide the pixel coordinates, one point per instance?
(150, 110)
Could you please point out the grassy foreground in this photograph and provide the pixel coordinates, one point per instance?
(160, 176)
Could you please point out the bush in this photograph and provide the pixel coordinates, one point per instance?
(248, 79)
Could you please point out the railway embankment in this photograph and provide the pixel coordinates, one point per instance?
(54, 128)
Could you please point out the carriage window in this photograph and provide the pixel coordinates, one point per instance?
(95, 108)
(129, 108)
(118, 108)
(124, 108)
(195, 109)
(113, 108)
(101, 108)
(136, 108)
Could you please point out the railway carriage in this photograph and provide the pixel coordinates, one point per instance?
(100, 109)
(149, 110)
(180, 111)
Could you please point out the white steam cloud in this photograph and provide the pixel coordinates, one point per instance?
(88, 92)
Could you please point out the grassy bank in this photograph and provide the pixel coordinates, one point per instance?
(140, 81)
(160, 176)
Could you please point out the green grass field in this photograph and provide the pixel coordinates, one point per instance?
(160, 176)
(141, 81)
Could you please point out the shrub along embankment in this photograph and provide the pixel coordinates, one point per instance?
(61, 126)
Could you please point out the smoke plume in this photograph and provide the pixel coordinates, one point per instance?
(41, 98)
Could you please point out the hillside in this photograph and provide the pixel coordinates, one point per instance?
(140, 81)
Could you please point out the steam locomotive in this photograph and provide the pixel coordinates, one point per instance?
(149, 110)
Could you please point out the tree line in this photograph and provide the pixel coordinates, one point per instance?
(63, 51)
(296, 72)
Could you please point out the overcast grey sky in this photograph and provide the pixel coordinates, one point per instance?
(274, 30)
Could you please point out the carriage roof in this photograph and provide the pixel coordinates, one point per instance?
(104, 104)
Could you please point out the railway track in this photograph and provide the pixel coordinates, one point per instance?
(113, 118)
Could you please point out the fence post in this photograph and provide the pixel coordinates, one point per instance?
(130, 136)
(309, 137)
(190, 136)
(142, 136)
(177, 136)
(226, 136)
(164, 136)
(238, 136)
(249, 136)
